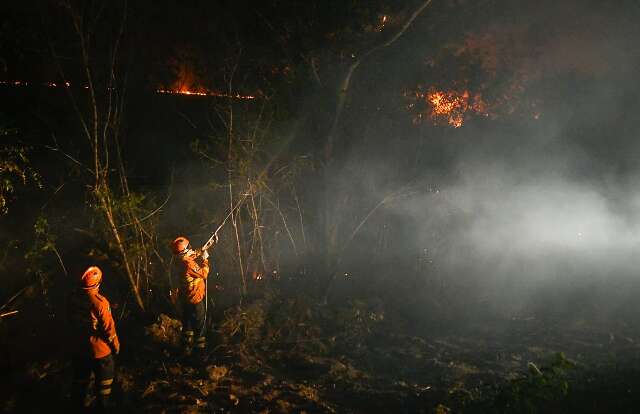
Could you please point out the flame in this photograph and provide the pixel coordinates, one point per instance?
(14, 83)
(17, 83)
(451, 106)
(204, 92)
(183, 90)
(455, 106)
(188, 83)
(504, 74)
(382, 23)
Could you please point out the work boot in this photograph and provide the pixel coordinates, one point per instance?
(81, 398)
(103, 404)
(201, 344)
(198, 356)
(187, 343)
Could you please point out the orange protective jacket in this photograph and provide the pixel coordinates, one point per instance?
(93, 328)
(193, 272)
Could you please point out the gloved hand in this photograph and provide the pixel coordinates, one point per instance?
(205, 255)
(115, 345)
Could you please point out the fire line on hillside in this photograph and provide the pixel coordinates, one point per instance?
(181, 91)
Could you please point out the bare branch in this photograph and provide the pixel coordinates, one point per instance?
(57, 253)
(284, 223)
(57, 149)
(14, 297)
(154, 212)
(346, 82)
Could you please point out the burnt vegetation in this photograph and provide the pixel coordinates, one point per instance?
(428, 206)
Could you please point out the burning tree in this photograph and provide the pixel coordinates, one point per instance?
(451, 107)
(485, 74)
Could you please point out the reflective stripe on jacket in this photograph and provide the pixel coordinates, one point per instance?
(91, 324)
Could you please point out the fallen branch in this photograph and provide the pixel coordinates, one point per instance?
(14, 297)
(2, 315)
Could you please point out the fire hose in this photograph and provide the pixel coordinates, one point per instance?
(207, 246)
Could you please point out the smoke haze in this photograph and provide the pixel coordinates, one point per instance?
(519, 205)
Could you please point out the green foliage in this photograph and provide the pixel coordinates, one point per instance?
(43, 234)
(5, 256)
(15, 169)
(136, 226)
(534, 391)
(38, 257)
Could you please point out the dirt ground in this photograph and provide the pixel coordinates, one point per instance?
(353, 360)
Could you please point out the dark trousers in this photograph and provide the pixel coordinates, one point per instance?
(103, 370)
(193, 325)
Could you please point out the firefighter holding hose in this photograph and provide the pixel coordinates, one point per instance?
(193, 268)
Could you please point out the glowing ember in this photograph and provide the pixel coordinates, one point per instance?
(504, 73)
(204, 92)
(16, 83)
(449, 106)
(180, 91)
(382, 23)
(13, 83)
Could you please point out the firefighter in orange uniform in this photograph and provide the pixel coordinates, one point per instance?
(193, 267)
(94, 340)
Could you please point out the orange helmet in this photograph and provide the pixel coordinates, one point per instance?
(180, 245)
(91, 278)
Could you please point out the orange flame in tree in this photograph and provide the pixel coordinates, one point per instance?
(505, 71)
